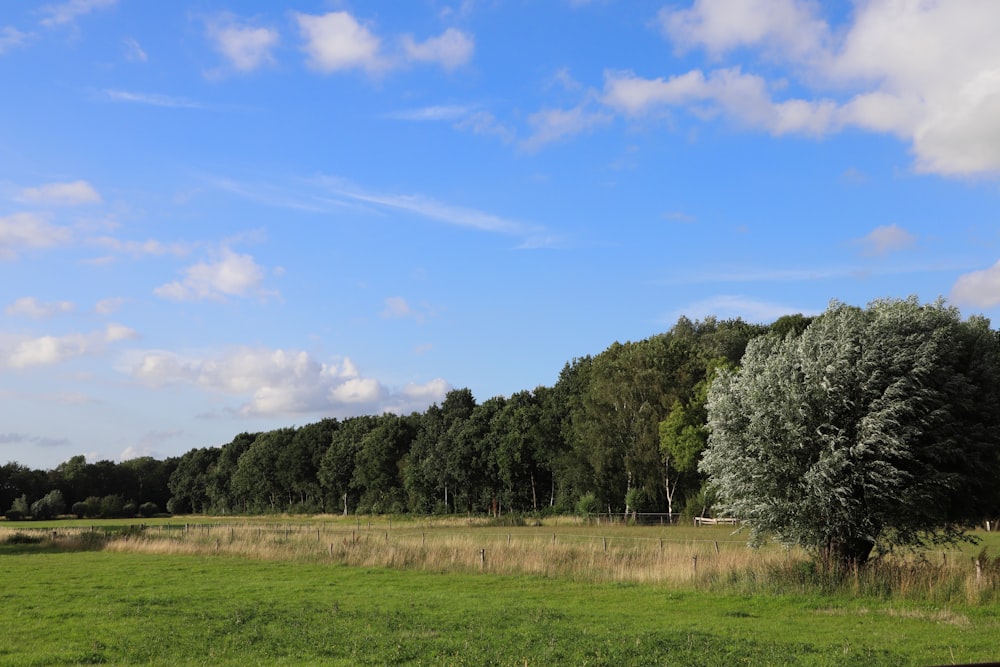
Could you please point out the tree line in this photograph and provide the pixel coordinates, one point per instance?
(620, 431)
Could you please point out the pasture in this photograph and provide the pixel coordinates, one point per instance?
(349, 591)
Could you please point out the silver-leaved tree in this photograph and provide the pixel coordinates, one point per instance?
(874, 428)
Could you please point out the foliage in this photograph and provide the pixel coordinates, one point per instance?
(49, 506)
(873, 427)
(588, 505)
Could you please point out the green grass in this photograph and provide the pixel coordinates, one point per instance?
(96, 607)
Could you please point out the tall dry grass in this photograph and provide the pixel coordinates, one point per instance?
(568, 550)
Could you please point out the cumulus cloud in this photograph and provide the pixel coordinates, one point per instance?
(886, 239)
(22, 231)
(29, 306)
(452, 49)
(278, 382)
(62, 194)
(789, 25)
(67, 12)
(744, 98)
(927, 72)
(244, 46)
(978, 288)
(336, 41)
(231, 275)
(24, 352)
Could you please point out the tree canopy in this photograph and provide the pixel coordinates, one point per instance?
(872, 427)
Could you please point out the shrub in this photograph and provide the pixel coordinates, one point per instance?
(588, 504)
(148, 509)
(14, 515)
(81, 509)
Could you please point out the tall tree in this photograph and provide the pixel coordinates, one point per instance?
(873, 428)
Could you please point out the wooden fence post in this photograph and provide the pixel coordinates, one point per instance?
(694, 564)
(482, 558)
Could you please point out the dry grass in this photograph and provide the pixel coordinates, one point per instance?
(566, 548)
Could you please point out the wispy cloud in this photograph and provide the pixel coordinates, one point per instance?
(32, 440)
(152, 99)
(134, 51)
(11, 38)
(65, 13)
(445, 112)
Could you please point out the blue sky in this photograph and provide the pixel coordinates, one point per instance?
(222, 217)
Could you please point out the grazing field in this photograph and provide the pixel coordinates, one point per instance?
(349, 592)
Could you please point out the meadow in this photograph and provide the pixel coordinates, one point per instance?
(455, 591)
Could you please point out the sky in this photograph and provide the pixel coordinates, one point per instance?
(219, 217)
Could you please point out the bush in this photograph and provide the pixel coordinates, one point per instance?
(49, 506)
(588, 504)
(14, 515)
(81, 509)
(148, 509)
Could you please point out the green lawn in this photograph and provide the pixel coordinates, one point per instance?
(126, 608)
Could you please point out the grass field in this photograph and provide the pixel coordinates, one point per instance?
(317, 592)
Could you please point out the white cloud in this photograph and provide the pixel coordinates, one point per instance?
(485, 124)
(29, 306)
(11, 37)
(231, 275)
(788, 25)
(551, 125)
(245, 47)
(285, 382)
(28, 230)
(133, 50)
(744, 98)
(925, 71)
(66, 12)
(23, 352)
(62, 194)
(886, 239)
(336, 41)
(435, 210)
(452, 49)
(978, 288)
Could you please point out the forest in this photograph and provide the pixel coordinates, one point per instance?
(620, 431)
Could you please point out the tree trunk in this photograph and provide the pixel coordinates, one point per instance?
(534, 497)
(849, 553)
